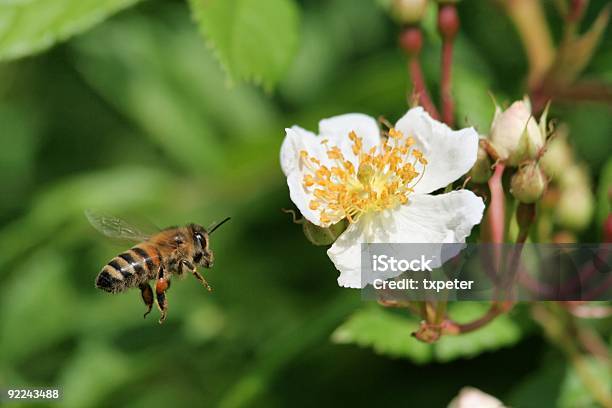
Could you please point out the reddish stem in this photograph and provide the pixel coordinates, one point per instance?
(448, 105)
(448, 26)
(496, 212)
(420, 88)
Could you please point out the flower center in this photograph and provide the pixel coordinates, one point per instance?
(384, 177)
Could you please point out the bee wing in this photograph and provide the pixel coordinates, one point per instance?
(114, 227)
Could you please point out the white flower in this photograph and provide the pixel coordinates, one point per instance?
(381, 185)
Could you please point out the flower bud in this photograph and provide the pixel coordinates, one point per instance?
(448, 20)
(528, 183)
(481, 172)
(557, 158)
(515, 134)
(409, 11)
(321, 236)
(575, 208)
(411, 40)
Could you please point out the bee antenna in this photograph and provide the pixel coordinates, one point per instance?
(212, 229)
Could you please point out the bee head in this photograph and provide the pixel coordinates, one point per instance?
(202, 255)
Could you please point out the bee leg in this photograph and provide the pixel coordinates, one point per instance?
(194, 270)
(161, 287)
(201, 279)
(147, 296)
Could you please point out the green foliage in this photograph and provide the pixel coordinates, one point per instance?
(27, 27)
(180, 101)
(390, 334)
(387, 333)
(501, 332)
(255, 40)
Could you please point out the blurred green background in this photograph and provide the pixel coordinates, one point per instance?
(136, 117)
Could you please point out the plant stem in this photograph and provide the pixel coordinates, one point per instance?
(496, 213)
(452, 327)
(448, 105)
(420, 88)
(448, 26)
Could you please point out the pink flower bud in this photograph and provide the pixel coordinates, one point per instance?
(515, 134)
(411, 40)
(448, 21)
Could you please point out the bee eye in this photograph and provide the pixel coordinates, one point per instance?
(200, 239)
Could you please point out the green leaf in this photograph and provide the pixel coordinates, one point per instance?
(28, 27)
(391, 334)
(501, 332)
(180, 101)
(255, 40)
(387, 333)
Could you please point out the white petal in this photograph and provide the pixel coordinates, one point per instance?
(445, 218)
(441, 218)
(337, 128)
(301, 197)
(296, 139)
(345, 253)
(450, 153)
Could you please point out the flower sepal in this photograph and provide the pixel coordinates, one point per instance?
(319, 236)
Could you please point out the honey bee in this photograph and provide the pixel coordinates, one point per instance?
(172, 251)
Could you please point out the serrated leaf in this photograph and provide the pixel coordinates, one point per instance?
(28, 27)
(391, 334)
(387, 333)
(255, 40)
(501, 332)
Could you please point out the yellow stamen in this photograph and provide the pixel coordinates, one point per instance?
(384, 177)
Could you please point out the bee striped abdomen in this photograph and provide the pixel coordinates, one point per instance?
(129, 269)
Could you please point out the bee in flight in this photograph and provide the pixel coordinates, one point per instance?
(172, 251)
